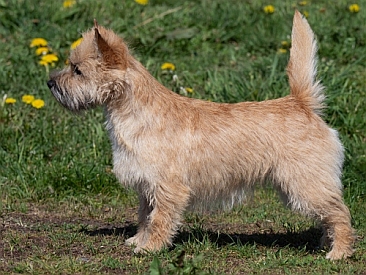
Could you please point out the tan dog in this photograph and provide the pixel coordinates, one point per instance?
(179, 152)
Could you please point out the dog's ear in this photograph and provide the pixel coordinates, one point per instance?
(114, 56)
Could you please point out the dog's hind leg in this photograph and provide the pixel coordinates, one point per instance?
(315, 192)
(340, 232)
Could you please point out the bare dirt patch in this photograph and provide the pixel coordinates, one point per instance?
(96, 237)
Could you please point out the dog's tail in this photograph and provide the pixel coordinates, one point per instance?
(301, 69)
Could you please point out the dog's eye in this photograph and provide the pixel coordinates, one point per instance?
(77, 71)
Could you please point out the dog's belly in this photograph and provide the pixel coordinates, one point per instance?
(211, 197)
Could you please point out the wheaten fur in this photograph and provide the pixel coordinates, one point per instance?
(181, 153)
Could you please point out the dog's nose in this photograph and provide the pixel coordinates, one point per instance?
(51, 83)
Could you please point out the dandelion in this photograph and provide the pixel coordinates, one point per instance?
(354, 8)
(76, 43)
(168, 66)
(69, 3)
(42, 51)
(282, 51)
(306, 14)
(38, 42)
(38, 103)
(142, 2)
(303, 3)
(43, 63)
(10, 100)
(285, 44)
(48, 59)
(189, 90)
(269, 9)
(28, 99)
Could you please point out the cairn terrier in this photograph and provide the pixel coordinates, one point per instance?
(179, 152)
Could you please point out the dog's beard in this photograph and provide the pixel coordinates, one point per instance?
(73, 103)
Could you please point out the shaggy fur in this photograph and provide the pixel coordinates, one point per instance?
(179, 152)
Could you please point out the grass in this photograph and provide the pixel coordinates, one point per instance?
(62, 210)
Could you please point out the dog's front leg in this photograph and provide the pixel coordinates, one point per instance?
(158, 228)
(144, 211)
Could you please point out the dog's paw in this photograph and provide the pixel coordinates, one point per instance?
(338, 254)
(140, 250)
(148, 247)
(133, 241)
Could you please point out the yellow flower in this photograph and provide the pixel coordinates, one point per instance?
(168, 66)
(69, 3)
(282, 51)
(303, 3)
(42, 51)
(10, 100)
(142, 2)
(306, 14)
(38, 42)
(189, 90)
(43, 63)
(27, 99)
(48, 59)
(269, 9)
(76, 43)
(285, 43)
(354, 8)
(38, 103)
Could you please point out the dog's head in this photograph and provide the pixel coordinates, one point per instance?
(95, 73)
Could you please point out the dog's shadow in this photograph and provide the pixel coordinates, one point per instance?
(307, 240)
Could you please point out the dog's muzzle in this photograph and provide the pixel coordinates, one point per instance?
(57, 93)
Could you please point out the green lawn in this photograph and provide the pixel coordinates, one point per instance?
(61, 209)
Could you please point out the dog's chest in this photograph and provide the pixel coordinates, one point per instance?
(125, 164)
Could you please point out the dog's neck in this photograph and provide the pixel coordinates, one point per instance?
(142, 90)
(144, 84)
(142, 96)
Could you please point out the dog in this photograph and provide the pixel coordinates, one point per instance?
(181, 153)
